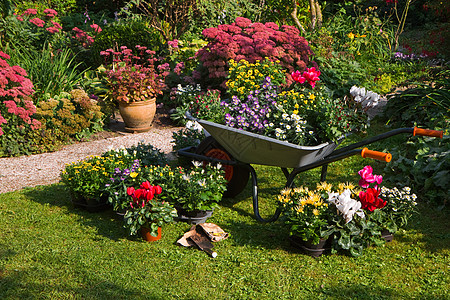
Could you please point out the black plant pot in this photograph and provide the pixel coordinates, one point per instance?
(387, 236)
(90, 205)
(193, 217)
(308, 248)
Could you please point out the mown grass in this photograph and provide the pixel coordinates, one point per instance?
(48, 249)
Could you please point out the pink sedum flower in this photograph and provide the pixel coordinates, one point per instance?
(38, 22)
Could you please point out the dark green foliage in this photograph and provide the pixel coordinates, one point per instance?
(51, 71)
(130, 32)
(423, 163)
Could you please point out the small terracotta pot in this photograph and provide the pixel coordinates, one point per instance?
(145, 232)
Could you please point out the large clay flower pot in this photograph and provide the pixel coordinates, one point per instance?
(138, 116)
(145, 232)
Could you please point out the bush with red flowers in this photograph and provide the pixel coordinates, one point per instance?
(250, 41)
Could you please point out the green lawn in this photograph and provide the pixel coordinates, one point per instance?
(48, 249)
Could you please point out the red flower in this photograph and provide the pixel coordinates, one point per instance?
(369, 199)
(146, 185)
(297, 76)
(158, 190)
(130, 191)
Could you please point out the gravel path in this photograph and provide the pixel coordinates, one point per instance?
(43, 169)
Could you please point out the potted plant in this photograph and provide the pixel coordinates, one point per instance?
(133, 174)
(86, 180)
(305, 212)
(197, 191)
(134, 82)
(146, 213)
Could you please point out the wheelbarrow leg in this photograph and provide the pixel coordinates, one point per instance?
(323, 174)
(255, 199)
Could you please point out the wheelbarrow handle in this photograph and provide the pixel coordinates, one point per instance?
(376, 155)
(428, 132)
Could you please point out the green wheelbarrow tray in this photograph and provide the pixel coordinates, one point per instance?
(252, 148)
(238, 149)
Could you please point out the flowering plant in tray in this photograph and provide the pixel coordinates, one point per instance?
(354, 216)
(305, 114)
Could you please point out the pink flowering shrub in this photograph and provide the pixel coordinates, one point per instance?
(133, 77)
(15, 91)
(251, 42)
(37, 28)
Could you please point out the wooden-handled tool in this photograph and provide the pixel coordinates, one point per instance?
(203, 243)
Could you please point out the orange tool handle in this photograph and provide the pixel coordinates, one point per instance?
(376, 155)
(428, 132)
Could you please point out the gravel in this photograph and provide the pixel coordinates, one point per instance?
(43, 169)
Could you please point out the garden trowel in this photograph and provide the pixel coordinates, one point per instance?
(203, 243)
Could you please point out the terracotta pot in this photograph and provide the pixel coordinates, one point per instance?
(138, 116)
(145, 232)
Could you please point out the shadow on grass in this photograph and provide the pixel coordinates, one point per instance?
(107, 222)
(17, 284)
(434, 226)
(358, 291)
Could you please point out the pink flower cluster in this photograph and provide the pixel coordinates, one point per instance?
(83, 37)
(253, 41)
(15, 90)
(311, 75)
(49, 15)
(145, 193)
(369, 198)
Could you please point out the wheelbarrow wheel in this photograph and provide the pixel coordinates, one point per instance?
(237, 176)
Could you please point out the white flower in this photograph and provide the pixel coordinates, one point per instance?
(197, 164)
(346, 205)
(219, 166)
(202, 183)
(186, 177)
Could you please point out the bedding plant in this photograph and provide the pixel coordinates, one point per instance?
(146, 210)
(351, 217)
(305, 114)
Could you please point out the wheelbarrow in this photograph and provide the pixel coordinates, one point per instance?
(237, 149)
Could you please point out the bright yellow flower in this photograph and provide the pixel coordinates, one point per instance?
(315, 212)
(312, 96)
(351, 35)
(133, 174)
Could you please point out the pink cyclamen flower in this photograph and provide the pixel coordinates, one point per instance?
(38, 22)
(297, 76)
(367, 177)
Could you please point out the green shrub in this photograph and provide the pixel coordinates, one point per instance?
(66, 117)
(130, 32)
(423, 163)
(52, 72)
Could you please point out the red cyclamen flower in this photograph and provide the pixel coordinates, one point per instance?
(370, 201)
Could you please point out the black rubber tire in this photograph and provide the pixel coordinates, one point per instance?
(240, 174)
